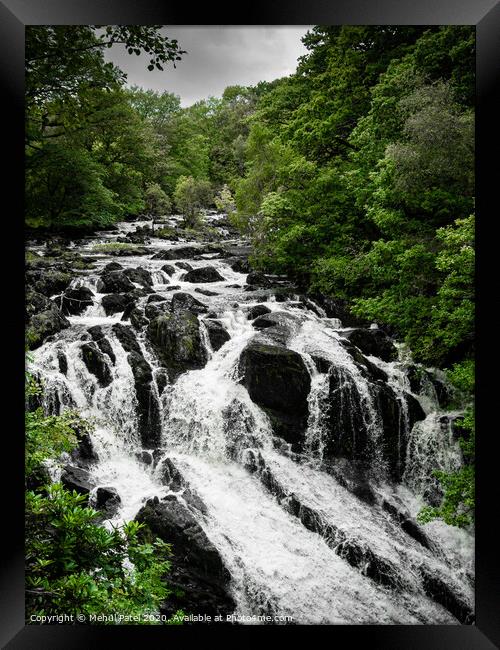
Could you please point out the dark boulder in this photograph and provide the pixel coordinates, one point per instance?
(48, 282)
(43, 319)
(344, 413)
(366, 367)
(112, 266)
(161, 378)
(177, 341)
(373, 342)
(154, 309)
(397, 419)
(198, 578)
(102, 342)
(437, 589)
(337, 308)
(423, 382)
(278, 381)
(126, 337)
(258, 279)
(76, 478)
(75, 301)
(148, 407)
(178, 253)
(185, 266)
(84, 454)
(203, 274)
(140, 276)
(96, 363)
(182, 301)
(107, 501)
(114, 282)
(206, 292)
(62, 362)
(114, 303)
(154, 297)
(217, 334)
(137, 318)
(168, 269)
(240, 265)
(257, 310)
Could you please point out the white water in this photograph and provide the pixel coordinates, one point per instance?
(209, 424)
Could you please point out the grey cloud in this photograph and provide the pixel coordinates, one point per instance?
(217, 57)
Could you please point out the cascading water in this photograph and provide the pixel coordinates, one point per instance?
(297, 540)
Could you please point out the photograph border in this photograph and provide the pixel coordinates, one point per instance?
(14, 16)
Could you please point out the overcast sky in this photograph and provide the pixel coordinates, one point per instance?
(217, 57)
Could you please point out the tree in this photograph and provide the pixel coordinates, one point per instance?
(190, 197)
(157, 202)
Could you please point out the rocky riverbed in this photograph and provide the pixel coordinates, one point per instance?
(282, 446)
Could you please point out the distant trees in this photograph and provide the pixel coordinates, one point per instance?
(190, 197)
(157, 202)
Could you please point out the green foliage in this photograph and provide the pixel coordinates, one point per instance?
(89, 154)
(157, 202)
(190, 197)
(74, 566)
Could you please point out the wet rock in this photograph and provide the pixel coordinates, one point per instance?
(144, 457)
(395, 429)
(43, 319)
(161, 378)
(240, 265)
(278, 381)
(76, 478)
(96, 363)
(85, 453)
(203, 274)
(373, 342)
(62, 362)
(127, 338)
(154, 297)
(337, 308)
(206, 292)
(114, 303)
(112, 266)
(442, 593)
(367, 368)
(258, 279)
(102, 342)
(348, 435)
(168, 269)
(75, 301)
(275, 318)
(198, 577)
(154, 309)
(148, 408)
(184, 265)
(322, 365)
(107, 501)
(114, 282)
(177, 341)
(258, 310)
(48, 282)
(217, 334)
(182, 301)
(179, 253)
(137, 318)
(140, 276)
(423, 382)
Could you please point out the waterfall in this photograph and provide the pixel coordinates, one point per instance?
(322, 534)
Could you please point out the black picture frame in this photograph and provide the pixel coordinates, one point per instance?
(14, 16)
